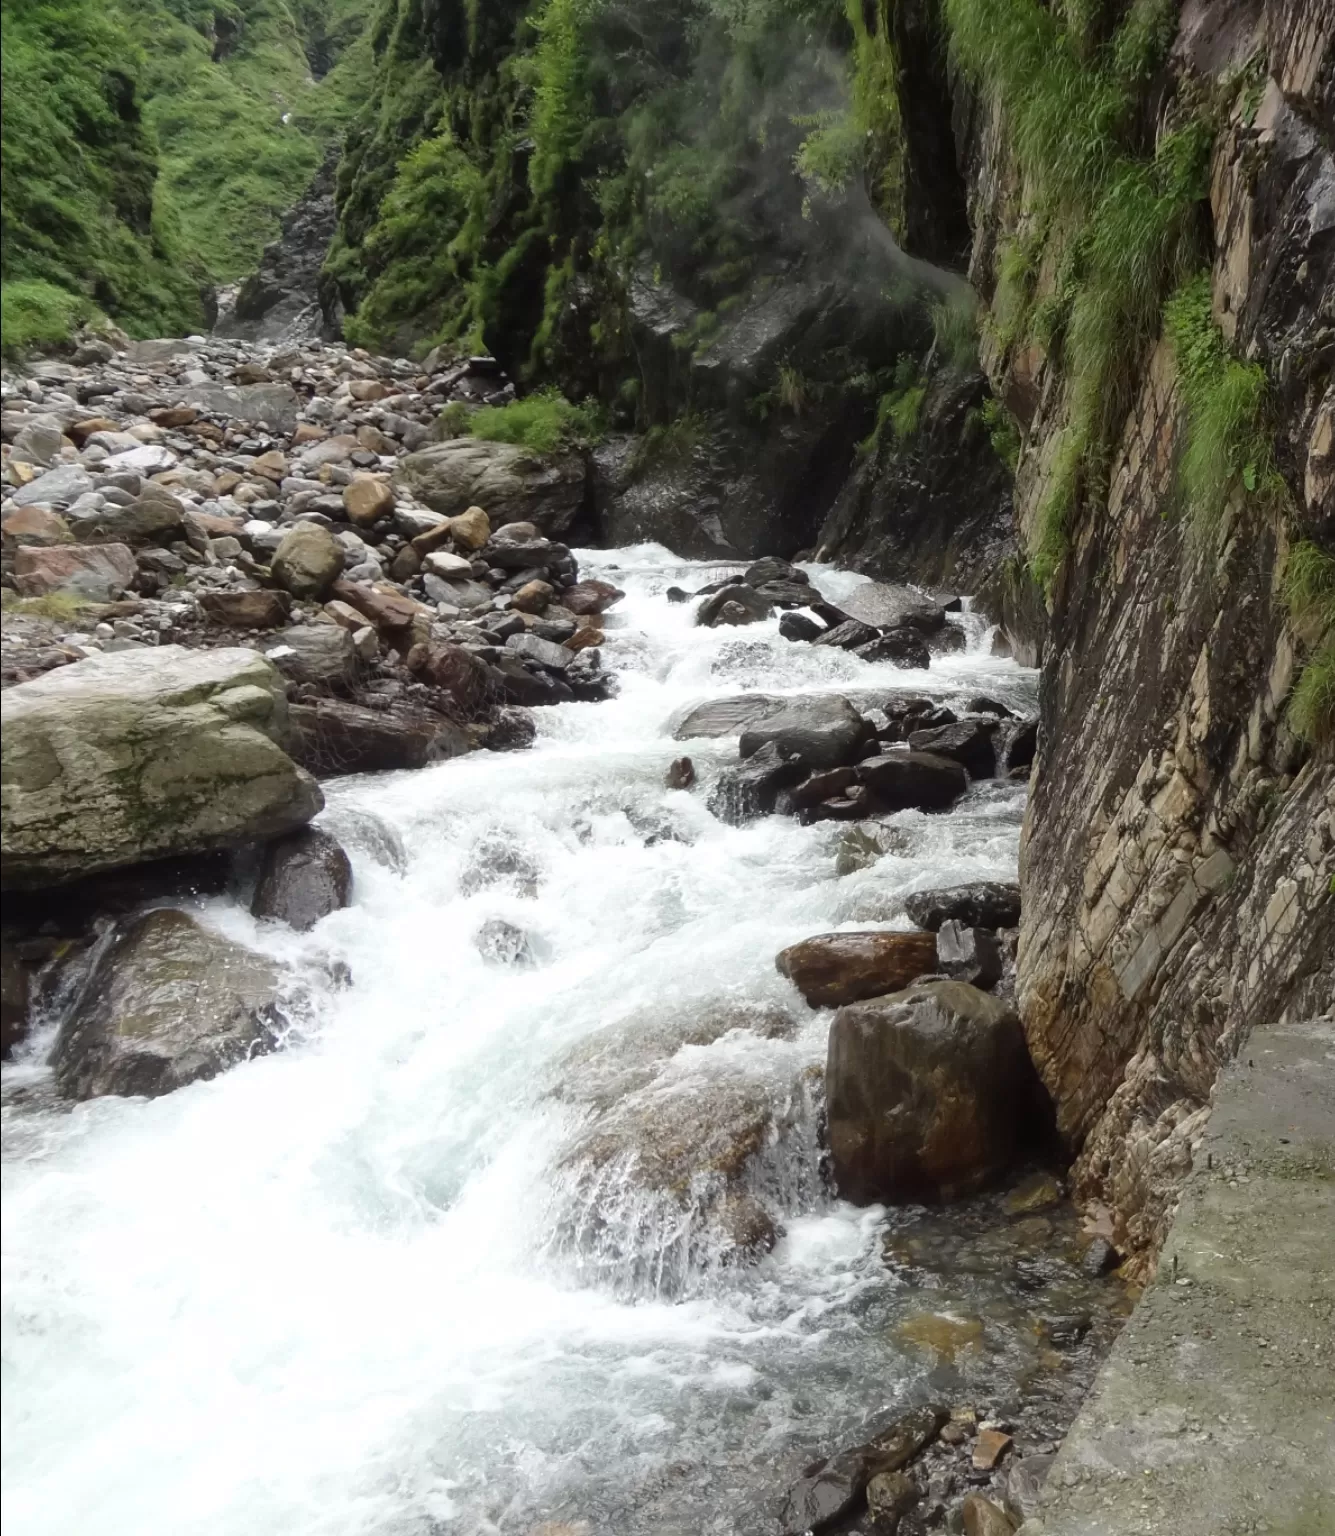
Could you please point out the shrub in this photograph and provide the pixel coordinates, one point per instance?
(544, 421)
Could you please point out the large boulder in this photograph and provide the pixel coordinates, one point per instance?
(305, 876)
(981, 904)
(823, 731)
(971, 743)
(930, 1093)
(836, 968)
(155, 516)
(166, 1003)
(141, 755)
(512, 484)
(94, 573)
(902, 781)
(728, 716)
(308, 561)
(322, 654)
(884, 606)
(334, 736)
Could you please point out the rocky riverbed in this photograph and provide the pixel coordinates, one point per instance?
(525, 1140)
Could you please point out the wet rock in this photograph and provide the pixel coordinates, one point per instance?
(456, 672)
(145, 754)
(95, 573)
(969, 743)
(787, 594)
(904, 647)
(497, 861)
(823, 731)
(930, 1093)
(512, 484)
(304, 877)
(988, 1449)
(969, 954)
(533, 597)
(835, 1488)
(836, 968)
(797, 627)
(680, 774)
(14, 994)
(847, 636)
(751, 788)
(545, 652)
(982, 904)
(471, 528)
(308, 561)
(322, 654)
(1021, 745)
(166, 1003)
(982, 1517)
(748, 604)
(728, 717)
(1099, 1258)
(887, 607)
(588, 597)
(503, 943)
(890, 1496)
(769, 568)
(335, 736)
(1024, 1485)
(253, 609)
(920, 781)
(511, 729)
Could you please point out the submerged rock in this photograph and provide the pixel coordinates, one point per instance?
(931, 1093)
(143, 755)
(166, 1003)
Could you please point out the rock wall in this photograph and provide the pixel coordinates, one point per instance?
(1178, 860)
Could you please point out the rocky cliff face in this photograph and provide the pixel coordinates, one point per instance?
(1178, 862)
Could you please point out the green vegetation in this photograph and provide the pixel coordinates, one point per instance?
(544, 421)
(899, 409)
(1123, 213)
(1228, 439)
(1002, 431)
(1310, 589)
(149, 147)
(955, 332)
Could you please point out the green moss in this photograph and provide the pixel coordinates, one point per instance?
(545, 421)
(1228, 440)
(1048, 537)
(673, 442)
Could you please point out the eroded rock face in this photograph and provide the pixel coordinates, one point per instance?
(930, 1093)
(165, 1004)
(513, 484)
(141, 755)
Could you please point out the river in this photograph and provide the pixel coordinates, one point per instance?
(359, 1286)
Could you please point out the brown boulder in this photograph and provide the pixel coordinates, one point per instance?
(331, 736)
(930, 1093)
(454, 671)
(533, 596)
(386, 607)
(591, 596)
(367, 499)
(836, 968)
(308, 561)
(36, 527)
(246, 610)
(98, 573)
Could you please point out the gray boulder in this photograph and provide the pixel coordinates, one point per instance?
(308, 562)
(886, 607)
(323, 654)
(981, 904)
(95, 574)
(511, 484)
(154, 516)
(166, 1003)
(57, 489)
(823, 731)
(305, 876)
(146, 754)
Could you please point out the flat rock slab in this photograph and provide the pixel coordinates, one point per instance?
(1215, 1410)
(884, 607)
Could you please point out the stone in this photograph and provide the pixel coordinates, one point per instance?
(145, 754)
(503, 943)
(512, 484)
(533, 597)
(146, 459)
(969, 954)
(752, 787)
(903, 647)
(171, 417)
(335, 736)
(470, 529)
(729, 716)
(834, 1487)
(308, 561)
(1021, 746)
(680, 774)
(890, 1496)
(848, 635)
(797, 626)
(367, 499)
(388, 609)
(983, 1518)
(456, 672)
(886, 607)
(251, 609)
(982, 904)
(81, 431)
(836, 968)
(271, 465)
(274, 404)
(900, 781)
(167, 1003)
(37, 444)
(769, 568)
(55, 490)
(1099, 1258)
(930, 1093)
(97, 573)
(304, 876)
(968, 742)
(590, 596)
(449, 567)
(1024, 1484)
(322, 654)
(823, 731)
(36, 527)
(787, 594)
(544, 652)
(748, 603)
(155, 516)
(989, 1447)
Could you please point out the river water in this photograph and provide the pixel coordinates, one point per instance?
(359, 1286)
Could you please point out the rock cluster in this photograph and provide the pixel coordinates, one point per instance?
(204, 492)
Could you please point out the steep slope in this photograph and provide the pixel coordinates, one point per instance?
(151, 145)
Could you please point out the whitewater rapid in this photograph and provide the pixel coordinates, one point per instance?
(335, 1290)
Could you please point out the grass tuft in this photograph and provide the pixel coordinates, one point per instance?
(544, 421)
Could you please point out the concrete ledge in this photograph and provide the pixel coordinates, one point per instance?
(1215, 1412)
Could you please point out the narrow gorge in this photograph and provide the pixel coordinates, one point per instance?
(668, 681)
